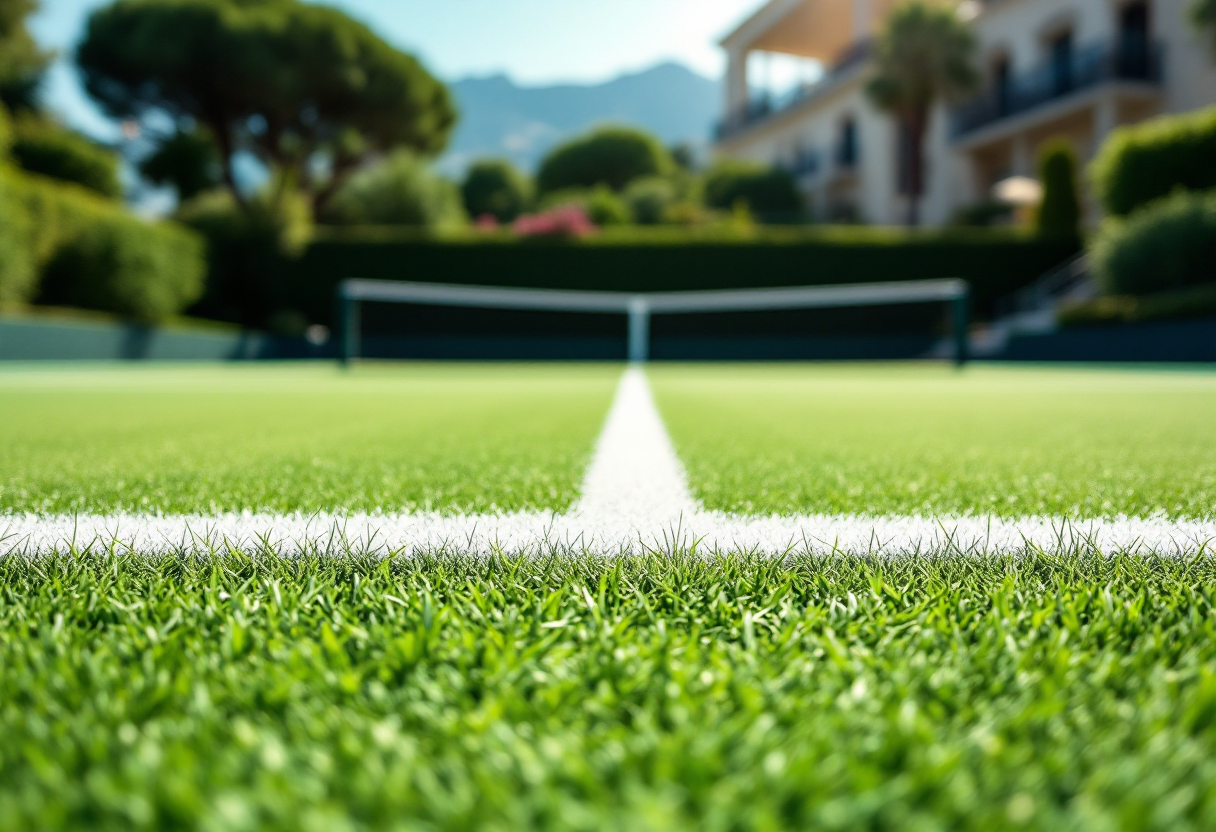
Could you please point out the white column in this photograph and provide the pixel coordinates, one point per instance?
(736, 81)
(1106, 119)
(1023, 165)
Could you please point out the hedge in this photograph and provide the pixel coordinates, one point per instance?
(995, 263)
(141, 271)
(50, 150)
(1169, 245)
(1176, 305)
(17, 269)
(90, 252)
(1147, 161)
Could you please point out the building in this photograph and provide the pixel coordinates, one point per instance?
(1052, 68)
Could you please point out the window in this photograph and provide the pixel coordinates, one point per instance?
(1002, 85)
(1132, 51)
(1061, 51)
(847, 152)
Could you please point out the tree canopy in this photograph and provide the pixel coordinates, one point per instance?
(187, 161)
(310, 91)
(22, 62)
(612, 156)
(925, 55)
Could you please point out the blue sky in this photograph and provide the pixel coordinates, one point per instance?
(533, 41)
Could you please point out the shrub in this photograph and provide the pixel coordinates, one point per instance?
(496, 188)
(6, 131)
(1168, 245)
(401, 190)
(985, 214)
(17, 271)
(1178, 304)
(601, 205)
(771, 194)
(613, 156)
(57, 212)
(563, 221)
(1059, 214)
(1147, 161)
(142, 271)
(650, 200)
(48, 149)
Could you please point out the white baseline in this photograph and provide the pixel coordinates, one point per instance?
(635, 499)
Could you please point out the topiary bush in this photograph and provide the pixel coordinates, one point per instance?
(48, 149)
(145, 272)
(6, 131)
(1147, 161)
(401, 190)
(57, 212)
(1059, 214)
(770, 194)
(1169, 245)
(496, 188)
(612, 156)
(651, 200)
(601, 204)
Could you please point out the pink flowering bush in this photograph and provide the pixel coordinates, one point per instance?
(565, 221)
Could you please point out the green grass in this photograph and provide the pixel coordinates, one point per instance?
(929, 440)
(198, 439)
(1073, 693)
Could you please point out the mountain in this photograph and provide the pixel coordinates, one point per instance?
(500, 118)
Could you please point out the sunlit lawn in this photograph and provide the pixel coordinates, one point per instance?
(890, 439)
(207, 439)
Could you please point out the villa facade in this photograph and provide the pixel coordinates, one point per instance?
(1075, 69)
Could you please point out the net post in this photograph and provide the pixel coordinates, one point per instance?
(960, 309)
(639, 330)
(348, 313)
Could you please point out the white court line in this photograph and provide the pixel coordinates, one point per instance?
(635, 499)
(635, 478)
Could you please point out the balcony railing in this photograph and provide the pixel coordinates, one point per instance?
(805, 163)
(765, 107)
(1131, 59)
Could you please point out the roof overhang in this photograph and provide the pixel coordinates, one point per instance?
(817, 29)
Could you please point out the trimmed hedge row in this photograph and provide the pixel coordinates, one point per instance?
(996, 264)
(1147, 161)
(1171, 244)
(79, 249)
(17, 267)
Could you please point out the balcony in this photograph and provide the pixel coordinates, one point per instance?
(805, 164)
(767, 107)
(1132, 59)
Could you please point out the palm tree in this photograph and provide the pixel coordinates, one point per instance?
(1204, 15)
(925, 55)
